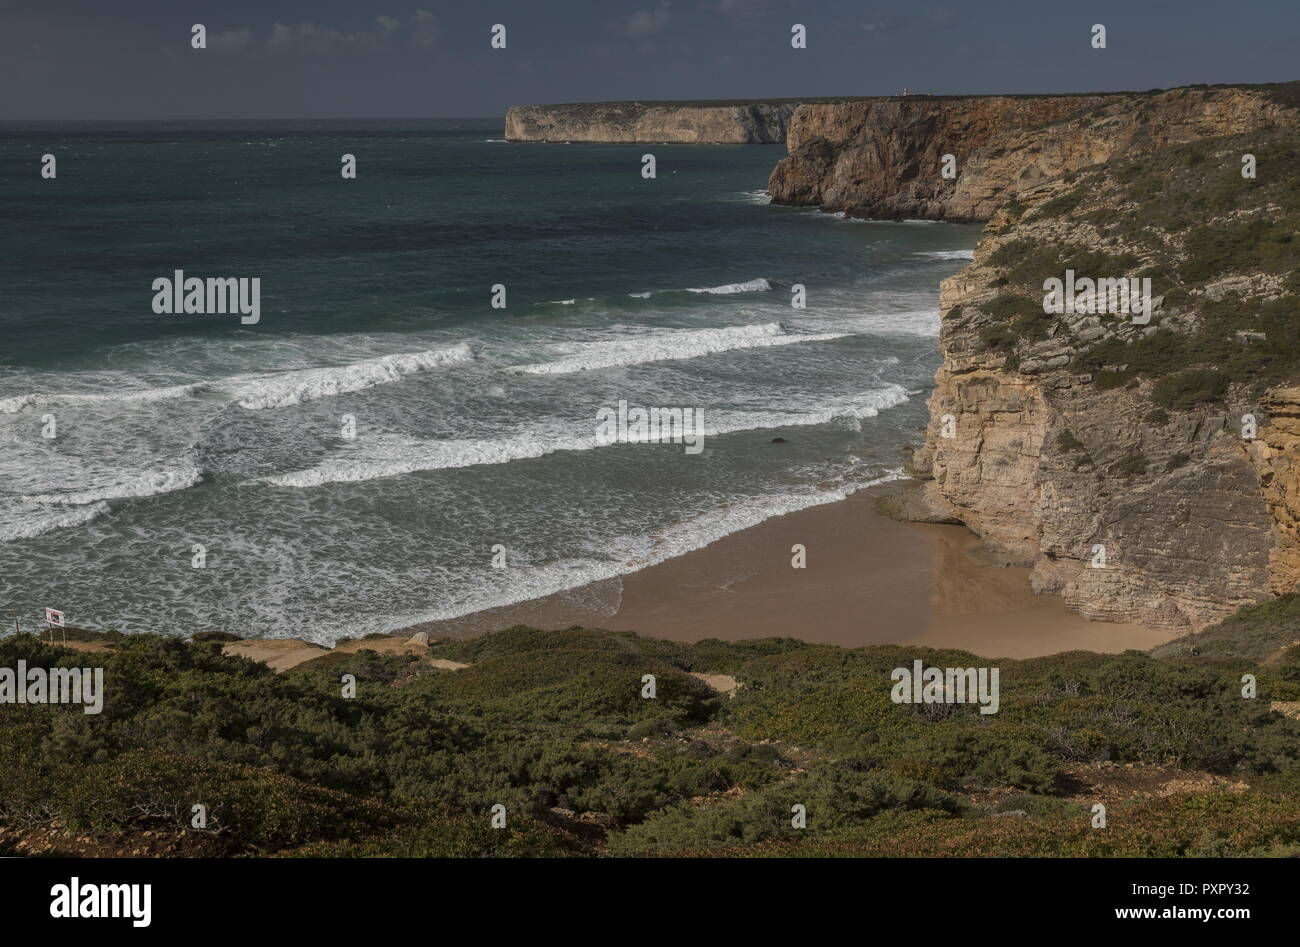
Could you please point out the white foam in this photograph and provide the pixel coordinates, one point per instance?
(272, 389)
(914, 322)
(26, 519)
(629, 554)
(947, 254)
(150, 394)
(707, 528)
(841, 215)
(726, 289)
(18, 403)
(867, 405)
(127, 484)
(838, 215)
(386, 456)
(310, 384)
(845, 313)
(666, 345)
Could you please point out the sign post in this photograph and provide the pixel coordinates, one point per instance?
(54, 619)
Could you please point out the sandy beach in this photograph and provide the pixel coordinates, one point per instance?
(868, 580)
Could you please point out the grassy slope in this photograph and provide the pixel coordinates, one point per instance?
(555, 720)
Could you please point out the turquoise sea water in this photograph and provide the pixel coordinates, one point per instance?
(474, 425)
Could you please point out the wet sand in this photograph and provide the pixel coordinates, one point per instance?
(868, 580)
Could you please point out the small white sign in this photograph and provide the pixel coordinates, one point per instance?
(54, 618)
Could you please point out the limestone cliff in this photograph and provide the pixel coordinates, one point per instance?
(690, 122)
(1275, 456)
(1148, 472)
(883, 157)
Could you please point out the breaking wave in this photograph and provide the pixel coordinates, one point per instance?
(664, 346)
(311, 384)
(389, 456)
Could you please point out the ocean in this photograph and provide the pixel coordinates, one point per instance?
(369, 453)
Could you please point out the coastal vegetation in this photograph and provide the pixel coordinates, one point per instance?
(1222, 251)
(553, 726)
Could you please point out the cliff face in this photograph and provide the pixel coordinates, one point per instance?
(882, 158)
(1046, 468)
(716, 123)
(1148, 472)
(1275, 456)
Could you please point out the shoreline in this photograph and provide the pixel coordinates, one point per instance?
(868, 579)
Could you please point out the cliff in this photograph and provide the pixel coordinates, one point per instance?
(740, 122)
(1147, 472)
(882, 157)
(1170, 448)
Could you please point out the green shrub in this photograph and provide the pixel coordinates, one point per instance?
(1131, 465)
(412, 765)
(1157, 416)
(1015, 318)
(1067, 443)
(1008, 306)
(1262, 242)
(453, 835)
(833, 797)
(1187, 389)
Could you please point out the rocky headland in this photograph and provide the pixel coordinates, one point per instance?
(882, 158)
(1147, 472)
(727, 123)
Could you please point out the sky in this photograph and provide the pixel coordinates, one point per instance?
(132, 59)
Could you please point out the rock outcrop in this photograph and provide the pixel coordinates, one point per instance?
(1128, 519)
(688, 122)
(1275, 455)
(1147, 472)
(883, 158)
